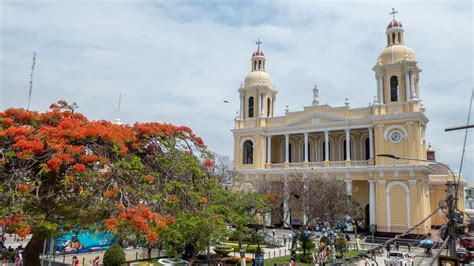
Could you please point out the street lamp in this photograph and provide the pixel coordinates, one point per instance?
(451, 206)
(391, 156)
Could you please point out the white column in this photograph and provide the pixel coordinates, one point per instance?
(269, 149)
(389, 219)
(412, 86)
(259, 110)
(372, 202)
(407, 86)
(286, 205)
(371, 143)
(326, 145)
(348, 187)
(380, 90)
(242, 107)
(268, 219)
(348, 144)
(305, 147)
(287, 148)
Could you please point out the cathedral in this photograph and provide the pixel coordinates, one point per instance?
(343, 142)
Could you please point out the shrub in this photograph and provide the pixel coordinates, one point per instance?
(305, 258)
(114, 256)
(223, 249)
(325, 240)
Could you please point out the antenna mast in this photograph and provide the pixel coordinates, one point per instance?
(31, 80)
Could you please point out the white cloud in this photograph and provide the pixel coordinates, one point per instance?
(178, 62)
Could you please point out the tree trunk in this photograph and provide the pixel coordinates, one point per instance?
(31, 254)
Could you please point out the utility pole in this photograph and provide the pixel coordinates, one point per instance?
(31, 80)
(452, 220)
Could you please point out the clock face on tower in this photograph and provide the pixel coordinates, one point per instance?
(395, 136)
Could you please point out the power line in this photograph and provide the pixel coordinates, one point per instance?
(367, 252)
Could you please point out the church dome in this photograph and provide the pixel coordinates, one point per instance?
(258, 79)
(394, 24)
(396, 54)
(258, 53)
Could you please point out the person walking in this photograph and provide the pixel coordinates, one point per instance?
(397, 245)
(388, 249)
(75, 261)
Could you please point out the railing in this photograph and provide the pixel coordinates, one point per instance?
(316, 164)
(337, 164)
(277, 165)
(360, 163)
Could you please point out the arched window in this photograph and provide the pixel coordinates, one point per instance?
(248, 152)
(394, 88)
(251, 107)
(259, 64)
(268, 107)
(344, 149)
(324, 150)
(367, 148)
(399, 37)
(309, 152)
(393, 38)
(254, 65)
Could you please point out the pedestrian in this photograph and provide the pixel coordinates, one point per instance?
(388, 249)
(409, 247)
(397, 245)
(273, 232)
(75, 261)
(284, 240)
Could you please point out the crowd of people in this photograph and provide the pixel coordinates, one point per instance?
(10, 254)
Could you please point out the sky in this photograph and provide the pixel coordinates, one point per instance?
(177, 62)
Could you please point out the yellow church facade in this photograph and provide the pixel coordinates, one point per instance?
(395, 194)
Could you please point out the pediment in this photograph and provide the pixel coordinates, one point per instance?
(315, 119)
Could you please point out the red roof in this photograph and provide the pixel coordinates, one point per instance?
(394, 24)
(258, 53)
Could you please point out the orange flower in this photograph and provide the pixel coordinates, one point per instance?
(208, 163)
(203, 200)
(111, 224)
(79, 167)
(23, 187)
(149, 178)
(152, 236)
(23, 232)
(2, 222)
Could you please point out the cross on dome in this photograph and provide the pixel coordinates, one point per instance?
(258, 52)
(393, 13)
(258, 42)
(394, 23)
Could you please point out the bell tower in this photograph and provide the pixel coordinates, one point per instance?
(396, 70)
(257, 93)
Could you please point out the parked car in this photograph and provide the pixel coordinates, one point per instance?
(467, 243)
(397, 258)
(464, 255)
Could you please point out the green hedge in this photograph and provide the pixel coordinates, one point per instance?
(248, 248)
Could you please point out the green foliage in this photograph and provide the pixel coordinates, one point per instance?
(114, 256)
(223, 249)
(305, 258)
(325, 240)
(341, 243)
(307, 243)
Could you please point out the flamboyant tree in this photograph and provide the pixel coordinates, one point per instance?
(60, 171)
